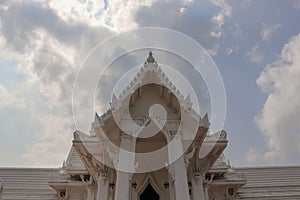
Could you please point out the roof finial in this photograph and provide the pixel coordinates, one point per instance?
(150, 58)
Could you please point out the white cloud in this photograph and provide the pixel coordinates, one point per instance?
(192, 22)
(255, 55)
(120, 15)
(236, 30)
(226, 9)
(278, 121)
(217, 35)
(268, 31)
(183, 10)
(52, 144)
(219, 20)
(254, 156)
(48, 46)
(49, 39)
(188, 2)
(229, 51)
(5, 98)
(10, 99)
(6, 54)
(297, 4)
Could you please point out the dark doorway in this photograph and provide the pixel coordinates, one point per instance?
(149, 193)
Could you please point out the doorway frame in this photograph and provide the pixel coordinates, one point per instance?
(149, 179)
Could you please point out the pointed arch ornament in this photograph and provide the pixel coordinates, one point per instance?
(149, 179)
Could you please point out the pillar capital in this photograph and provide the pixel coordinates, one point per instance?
(102, 182)
(125, 136)
(91, 188)
(102, 170)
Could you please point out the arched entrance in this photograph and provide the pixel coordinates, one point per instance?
(149, 193)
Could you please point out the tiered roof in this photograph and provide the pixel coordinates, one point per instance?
(270, 183)
(27, 184)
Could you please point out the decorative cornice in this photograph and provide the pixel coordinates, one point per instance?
(135, 83)
(205, 121)
(187, 103)
(104, 117)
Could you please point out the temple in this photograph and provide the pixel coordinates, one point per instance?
(150, 145)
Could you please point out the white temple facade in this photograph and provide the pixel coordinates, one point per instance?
(188, 177)
(193, 167)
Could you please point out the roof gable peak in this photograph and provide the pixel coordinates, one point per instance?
(150, 58)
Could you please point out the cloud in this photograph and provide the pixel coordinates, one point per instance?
(49, 39)
(48, 48)
(255, 55)
(236, 30)
(254, 156)
(10, 99)
(296, 4)
(192, 19)
(226, 9)
(5, 98)
(278, 121)
(52, 144)
(119, 15)
(229, 51)
(268, 31)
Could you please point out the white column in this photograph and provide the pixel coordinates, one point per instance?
(123, 186)
(103, 187)
(180, 173)
(197, 187)
(171, 190)
(126, 162)
(181, 184)
(91, 192)
(206, 191)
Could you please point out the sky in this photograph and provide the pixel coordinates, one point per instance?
(255, 44)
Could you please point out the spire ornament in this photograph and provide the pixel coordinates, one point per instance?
(150, 58)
